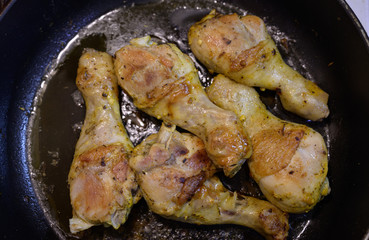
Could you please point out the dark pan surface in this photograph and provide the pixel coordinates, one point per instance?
(44, 110)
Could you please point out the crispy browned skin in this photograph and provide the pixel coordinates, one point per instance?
(164, 83)
(170, 167)
(274, 149)
(175, 176)
(289, 161)
(241, 49)
(101, 182)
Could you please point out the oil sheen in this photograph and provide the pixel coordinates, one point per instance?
(58, 115)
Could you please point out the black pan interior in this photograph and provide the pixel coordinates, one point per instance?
(44, 111)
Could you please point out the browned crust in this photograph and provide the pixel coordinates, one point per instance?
(271, 222)
(199, 161)
(98, 153)
(231, 145)
(179, 91)
(190, 187)
(273, 150)
(114, 155)
(247, 57)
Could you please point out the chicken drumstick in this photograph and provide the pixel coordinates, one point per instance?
(241, 49)
(164, 83)
(175, 176)
(102, 185)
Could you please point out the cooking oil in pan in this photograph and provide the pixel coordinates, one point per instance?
(59, 113)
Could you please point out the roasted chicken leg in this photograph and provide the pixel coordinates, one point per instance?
(241, 49)
(173, 172)
(102, 185)
(290, 161)
(164, 83)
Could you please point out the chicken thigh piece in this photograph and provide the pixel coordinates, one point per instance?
(175, 177)
(289, 161)
(163, 82)
(241, 49)
(102, 185)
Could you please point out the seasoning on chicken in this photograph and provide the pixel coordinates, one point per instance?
(175, 177)
(102, 185)
(163, 82)
(290, 161)
(241, 49)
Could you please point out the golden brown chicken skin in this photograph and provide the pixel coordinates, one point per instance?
(289, 161)
(164, 83)
(241, 49)
(175, 176)
(102, 185)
